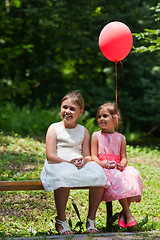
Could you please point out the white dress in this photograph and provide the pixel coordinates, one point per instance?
(69, 146)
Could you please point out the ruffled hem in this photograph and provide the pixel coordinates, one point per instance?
(54, 176)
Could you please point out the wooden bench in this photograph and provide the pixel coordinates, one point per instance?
(37, 185)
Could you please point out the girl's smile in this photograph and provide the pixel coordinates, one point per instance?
(106, 121)
(70, 111)
(67, 116)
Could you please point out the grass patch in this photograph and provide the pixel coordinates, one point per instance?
(32, 213)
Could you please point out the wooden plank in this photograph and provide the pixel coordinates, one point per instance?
(20, 185)
(25, 185)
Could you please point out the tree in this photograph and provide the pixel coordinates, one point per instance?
(51, 47)
(150, 37)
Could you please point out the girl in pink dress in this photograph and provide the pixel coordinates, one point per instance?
(108, 149)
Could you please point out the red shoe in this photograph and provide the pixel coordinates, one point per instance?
(121, 223)
(131, 224)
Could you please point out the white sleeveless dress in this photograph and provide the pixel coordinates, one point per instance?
(69, 146)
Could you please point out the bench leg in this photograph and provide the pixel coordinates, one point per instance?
(109, 211)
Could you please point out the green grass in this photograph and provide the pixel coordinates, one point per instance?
(32, 213)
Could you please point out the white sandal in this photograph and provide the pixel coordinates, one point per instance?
(91, 226)
(64, 225)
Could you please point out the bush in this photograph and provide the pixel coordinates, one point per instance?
(35, 121)
(26, 121)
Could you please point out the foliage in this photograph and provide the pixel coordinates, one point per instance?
(32, 213)
(51, 47)
(150, 36)
(34, 121)
(27, 120)
(149, 41)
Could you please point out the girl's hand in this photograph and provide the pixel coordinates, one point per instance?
(120, 166)
(81, 162)
(76, 161)
(109, 165)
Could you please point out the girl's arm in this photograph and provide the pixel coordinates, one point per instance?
(94, 151)
(123, 153)
(86, 146)
(85, 150)
(51, 141)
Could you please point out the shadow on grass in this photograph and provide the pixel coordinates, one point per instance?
(19, 165)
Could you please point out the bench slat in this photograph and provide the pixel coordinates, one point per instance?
(20, 185)
(25, 185)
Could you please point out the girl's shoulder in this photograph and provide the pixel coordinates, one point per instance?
(80, 126)
(96, 133)
(58, 126)
(120, 135)
(123, 138)
(54, 127)
(81, 129)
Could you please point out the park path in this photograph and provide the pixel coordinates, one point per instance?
(113, 236)
(104, 236)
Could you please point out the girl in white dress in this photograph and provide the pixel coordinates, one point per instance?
(69, 164)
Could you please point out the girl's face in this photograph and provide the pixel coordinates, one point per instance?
(106, 121)
(70, 111)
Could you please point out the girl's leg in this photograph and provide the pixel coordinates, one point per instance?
(61, 197)
(126, 212)
(95, 197)
(129, 201)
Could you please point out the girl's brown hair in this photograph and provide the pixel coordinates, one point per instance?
(76, 96)
(112, 109)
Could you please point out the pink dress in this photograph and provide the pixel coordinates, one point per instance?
(124, 184)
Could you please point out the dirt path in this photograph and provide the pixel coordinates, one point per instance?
(105, 236)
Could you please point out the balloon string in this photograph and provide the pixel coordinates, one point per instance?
(121, 64)
(116, 91)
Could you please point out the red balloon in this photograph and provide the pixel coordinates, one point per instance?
(115, 41)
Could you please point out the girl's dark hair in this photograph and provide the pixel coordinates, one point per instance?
(112, 109)
(76, 96)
